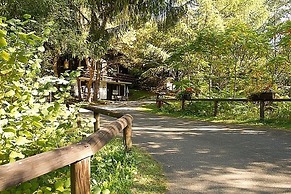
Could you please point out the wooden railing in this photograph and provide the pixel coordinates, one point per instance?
(123, 77)
(76, 155)
(216, 101)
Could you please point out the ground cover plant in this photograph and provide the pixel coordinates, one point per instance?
(276, 115)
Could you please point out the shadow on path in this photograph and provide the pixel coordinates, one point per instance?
(201, 157)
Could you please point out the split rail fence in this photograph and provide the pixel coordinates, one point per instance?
(76, 155)
(216, 101)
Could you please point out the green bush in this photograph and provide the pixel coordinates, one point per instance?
(276, 113)
(30, 123)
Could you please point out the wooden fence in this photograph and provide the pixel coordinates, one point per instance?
(76, 155)
(216, 101)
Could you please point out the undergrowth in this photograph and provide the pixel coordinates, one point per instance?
(277, 115)
(113, 171)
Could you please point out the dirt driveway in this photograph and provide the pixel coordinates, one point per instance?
(200, 157)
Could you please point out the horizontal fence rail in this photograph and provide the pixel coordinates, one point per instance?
(77, 155)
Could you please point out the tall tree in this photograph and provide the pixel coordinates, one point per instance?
(84, 27)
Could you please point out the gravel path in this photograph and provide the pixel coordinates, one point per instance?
(201, 157)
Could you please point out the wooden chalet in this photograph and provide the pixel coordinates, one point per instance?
(114, 79)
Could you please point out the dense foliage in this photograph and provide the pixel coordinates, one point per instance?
(34, 117)
(225, 48)
(220, 46)
(247, 113)
(30, 123)
(28, 118)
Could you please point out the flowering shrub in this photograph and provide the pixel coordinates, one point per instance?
(185, 94)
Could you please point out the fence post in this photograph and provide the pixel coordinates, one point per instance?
(97, 122)
(80, 177)
(262, 110)
(215, 108)
(183, 104)
(127, 134)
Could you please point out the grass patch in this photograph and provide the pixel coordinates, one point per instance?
(231, 113)
(140, 95)
(149, 178)
(113, 171)
(135, 172)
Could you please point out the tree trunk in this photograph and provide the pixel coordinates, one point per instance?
(91, 74)
(235, 78)
(210, 80)
(97, 80)
(55, 67)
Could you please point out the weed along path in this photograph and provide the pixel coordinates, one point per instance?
(200, 157)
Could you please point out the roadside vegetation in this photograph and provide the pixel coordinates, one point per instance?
(242, 113)
(141, 95)
(112, 171)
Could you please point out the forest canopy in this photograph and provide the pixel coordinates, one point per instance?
(220, 46)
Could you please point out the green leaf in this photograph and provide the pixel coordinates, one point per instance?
(37, 124)
(3, 42)
(67, 183)
(16, 83)
(6, 71)
(23, 59)
(42, 142)
(59, 186)
(3, 33)
(26, 185)
(3, 121)
(47, 31)
(106, 191)
(34, 185)
(22, 36)
(26, 134)
(26, 16)
(21, 141)
(4, 55)
(14, 155)
(11, 49)
(35, 37)
(41, 49)
(97, 190)
(46, 189)
(10, 93)
(10, 129)
(2, 155)
(8, 134)
(31, 42)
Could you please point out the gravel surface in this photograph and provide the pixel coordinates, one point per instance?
(202, 157)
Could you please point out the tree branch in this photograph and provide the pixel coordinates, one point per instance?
(78, 9)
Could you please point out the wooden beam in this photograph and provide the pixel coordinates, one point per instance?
(230, 99)
(262, 110)
(183, 104)
(215, 108)
(97, 121)
(127, 135)
(37, 165)
(80, 177)
(103, 111)
(34, 166)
